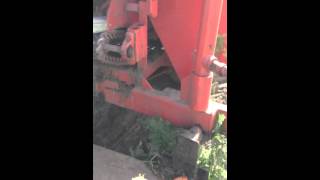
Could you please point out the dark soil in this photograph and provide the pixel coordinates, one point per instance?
(115, 128)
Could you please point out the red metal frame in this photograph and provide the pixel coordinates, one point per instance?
(223, 32)
(188, 30)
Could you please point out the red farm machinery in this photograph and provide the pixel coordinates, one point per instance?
(159, 57)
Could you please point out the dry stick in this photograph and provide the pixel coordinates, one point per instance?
(217, 95)
(224, 85)
(151, 162)
(221, 91)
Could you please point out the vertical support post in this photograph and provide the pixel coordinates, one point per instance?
(202, 77)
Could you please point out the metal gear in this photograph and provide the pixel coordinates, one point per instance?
(106, 55)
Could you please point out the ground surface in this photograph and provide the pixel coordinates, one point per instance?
(110, 165)
(118, 129)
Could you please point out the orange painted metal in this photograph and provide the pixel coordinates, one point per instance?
(188, 31)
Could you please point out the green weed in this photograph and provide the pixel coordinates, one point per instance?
(162, 135)
(214, 157)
